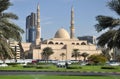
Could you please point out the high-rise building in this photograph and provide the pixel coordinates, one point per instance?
(30, 28)
(90, 39)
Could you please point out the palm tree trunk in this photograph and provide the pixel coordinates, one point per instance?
(3, 61)
(114, 54)
(75, 58)
(84, 59)
(62, 57)
(2, 58)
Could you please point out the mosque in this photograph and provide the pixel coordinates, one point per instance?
(62, 42)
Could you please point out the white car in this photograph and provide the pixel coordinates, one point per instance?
(23, 64)
(114, 64)
(3, 65)
(60, 63)
(63, 63)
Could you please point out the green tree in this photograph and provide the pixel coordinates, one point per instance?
(47, 52)
(97, 59)
(75, 53)
(8, 30)
(62, 55)
(84, 55)
(111, 38)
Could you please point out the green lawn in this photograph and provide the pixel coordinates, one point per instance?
(54, 68)
(57, 77)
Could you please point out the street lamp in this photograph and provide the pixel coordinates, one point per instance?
(38, 53)
(15, 51)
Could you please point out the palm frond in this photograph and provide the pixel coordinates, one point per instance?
(11, 30)
(106, 22)
(110, 39)
(8, 16)
(115, 6)
(4, 5)
(5, 49)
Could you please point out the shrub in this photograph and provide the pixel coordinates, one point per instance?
(46, 67)
(97, 59)
(108, 67)
(13, 64)
(74, 67)
(42, 67)
(43, 63)
(29, 66)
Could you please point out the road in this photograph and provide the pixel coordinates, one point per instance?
(72, 73)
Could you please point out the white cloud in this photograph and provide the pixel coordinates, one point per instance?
(48, 23)
(46, 20)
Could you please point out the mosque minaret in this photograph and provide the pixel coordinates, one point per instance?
(72, 29)
(38, 28)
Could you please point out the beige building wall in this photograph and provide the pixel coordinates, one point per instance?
(66, 48)
(26, 46)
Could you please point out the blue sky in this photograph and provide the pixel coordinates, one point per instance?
(55, 14)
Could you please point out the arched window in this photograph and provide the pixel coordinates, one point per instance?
(50, 42)
(77, 43)
(83, 43)
(61, 43)
(56, 43)
(73, 43)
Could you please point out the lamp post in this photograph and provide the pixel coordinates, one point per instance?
(15, 51)
(38, 53)
(66, 53)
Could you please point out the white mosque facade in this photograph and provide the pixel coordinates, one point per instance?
(63, 42)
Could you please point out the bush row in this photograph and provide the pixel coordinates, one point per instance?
(39, 66)
(108, 67)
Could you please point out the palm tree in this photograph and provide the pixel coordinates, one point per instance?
(8, 30)
(106, 53)
(75, 53)
(62, 55)
(47, 52)
(111, 38)
(84, 55)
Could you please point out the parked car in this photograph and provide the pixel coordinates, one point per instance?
(60, 64)
(114, 64)
(63, 63)
(74, 61)
(83, 63)
(1, 61)
(3, 65)
(23, 64)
